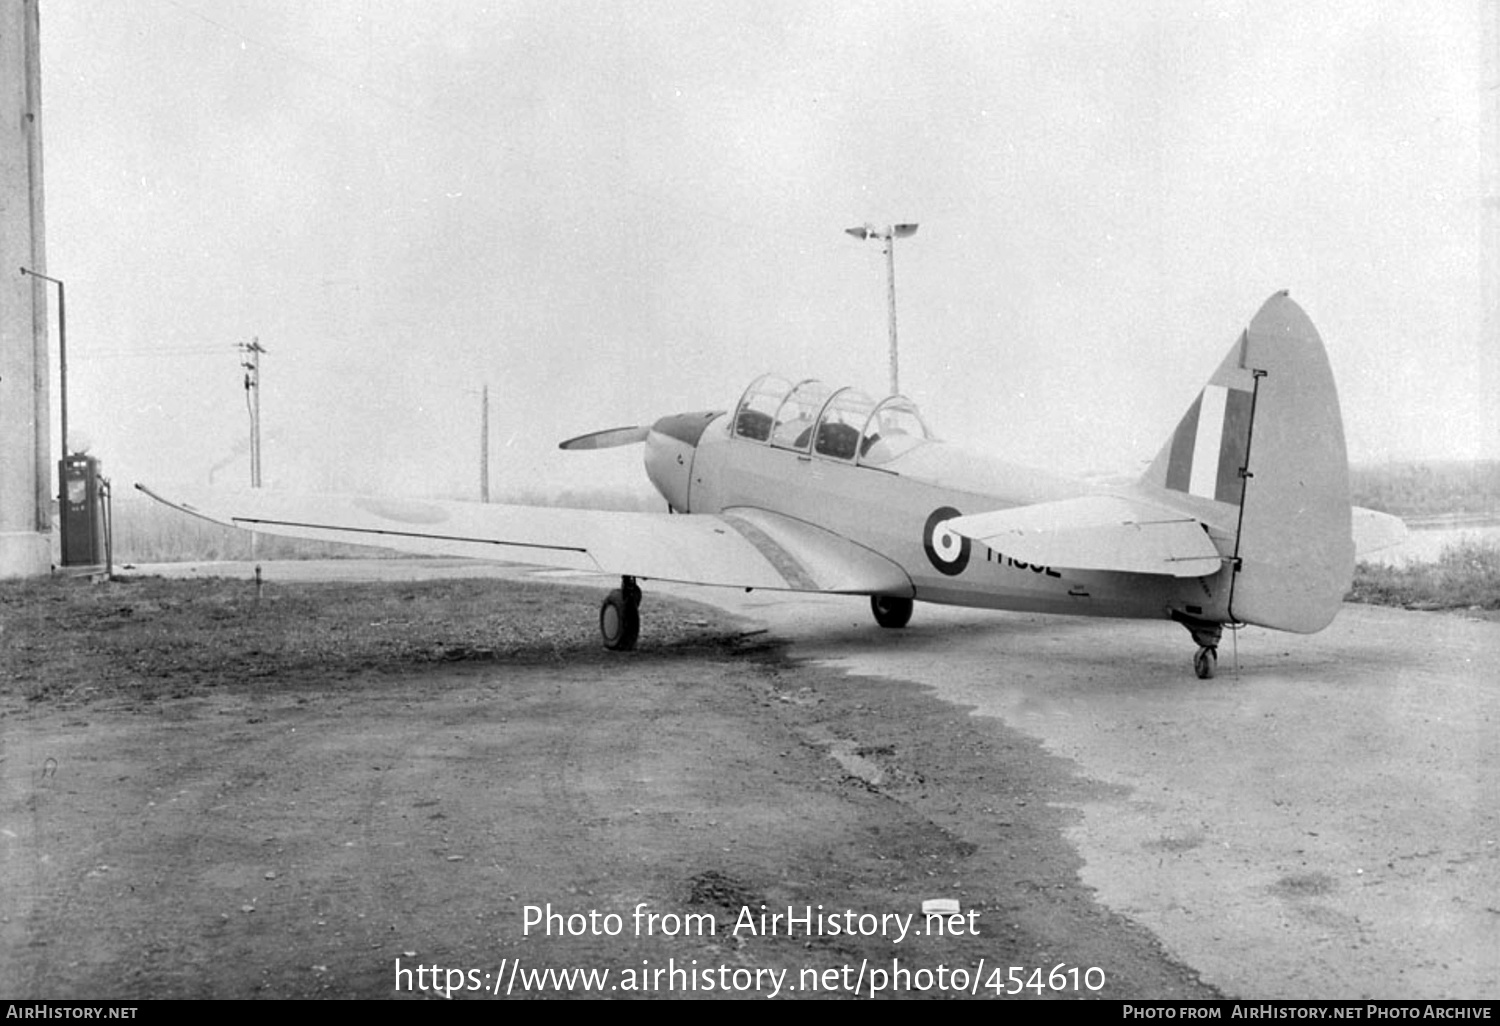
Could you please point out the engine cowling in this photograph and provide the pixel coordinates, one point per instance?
(670, 447)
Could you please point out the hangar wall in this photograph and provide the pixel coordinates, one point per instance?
(25, 452)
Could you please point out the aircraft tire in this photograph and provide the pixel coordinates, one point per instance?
(890, 611)
(619, 622)
(1205, 663)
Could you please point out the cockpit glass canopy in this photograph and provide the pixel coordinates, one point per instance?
(798, 412)
(757, 409)
(842, 425)
(894, 427)
(843, 420)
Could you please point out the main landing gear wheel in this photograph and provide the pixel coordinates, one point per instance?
(1206, 662)
(620, 616)
(891, 611)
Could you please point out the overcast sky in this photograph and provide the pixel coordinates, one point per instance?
(611, 211)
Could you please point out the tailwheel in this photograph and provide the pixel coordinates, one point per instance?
(1206, 662)
(891, 611)
(1207, 634)
(620, 616)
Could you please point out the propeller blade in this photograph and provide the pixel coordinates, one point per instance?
(607, 439)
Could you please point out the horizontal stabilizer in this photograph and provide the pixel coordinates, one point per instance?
(1097, 532)
(1375, 531)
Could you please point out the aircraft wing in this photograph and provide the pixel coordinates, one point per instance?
(1098, 532)
(743, 548)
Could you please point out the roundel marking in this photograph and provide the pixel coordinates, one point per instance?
(947, 551)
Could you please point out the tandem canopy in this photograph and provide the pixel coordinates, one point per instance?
(843, 424)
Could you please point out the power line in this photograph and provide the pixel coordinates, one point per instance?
(132, 354)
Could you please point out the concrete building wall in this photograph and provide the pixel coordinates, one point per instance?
(1489, 242)
(25, 452)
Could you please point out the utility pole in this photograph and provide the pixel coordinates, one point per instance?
(251, 363)
(484, 445)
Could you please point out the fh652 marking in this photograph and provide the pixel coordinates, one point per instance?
(991, 556)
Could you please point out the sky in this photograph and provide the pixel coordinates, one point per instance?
(608, 212)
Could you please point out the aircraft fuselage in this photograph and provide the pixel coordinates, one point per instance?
(897, 509)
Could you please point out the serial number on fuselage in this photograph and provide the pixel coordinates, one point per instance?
(1000, 558)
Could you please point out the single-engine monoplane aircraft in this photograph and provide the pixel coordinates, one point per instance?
(1243, 518)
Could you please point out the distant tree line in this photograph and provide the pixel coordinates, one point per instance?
(1428, 488)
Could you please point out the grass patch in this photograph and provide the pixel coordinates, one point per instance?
(1466, 576)
(149, 638)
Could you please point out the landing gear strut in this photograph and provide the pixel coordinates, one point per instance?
(1207, 634)
(620, 616)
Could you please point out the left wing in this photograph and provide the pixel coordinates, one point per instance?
(742, 549)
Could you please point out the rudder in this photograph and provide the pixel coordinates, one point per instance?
(1260, 455)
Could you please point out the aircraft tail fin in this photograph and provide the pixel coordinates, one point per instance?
(1260, 456)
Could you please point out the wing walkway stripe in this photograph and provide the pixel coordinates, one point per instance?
(786, 564)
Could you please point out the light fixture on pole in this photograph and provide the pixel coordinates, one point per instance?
(62, 350)
(888, 235)
(62, 364)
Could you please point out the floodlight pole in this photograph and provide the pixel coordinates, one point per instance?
(888, 235)
(890, 278)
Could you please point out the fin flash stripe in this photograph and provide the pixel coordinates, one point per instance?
(1209, 446)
